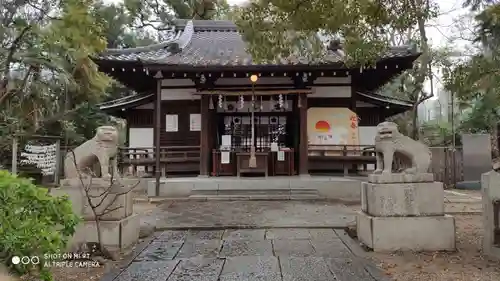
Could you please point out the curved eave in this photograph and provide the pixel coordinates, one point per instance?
(119, 106)
(390, 105)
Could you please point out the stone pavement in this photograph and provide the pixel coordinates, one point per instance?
(247, 255)
(248, 214)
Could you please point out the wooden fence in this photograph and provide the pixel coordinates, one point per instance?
(447, 165)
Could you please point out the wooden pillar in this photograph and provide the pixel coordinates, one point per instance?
(157, 131)
(303, 141)
(204, 136)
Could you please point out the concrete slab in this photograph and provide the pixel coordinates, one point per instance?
(233, 248)
(160, 251)
(293, 248)
(148, 270)
(196, 248)
(172, 235)
(323, 234)
(204, 235)
(431, 233)
(305, 269)
(348, 268)
(330, 248)
(251, 268)
(197, 269)
(288, 233)
(250, 234)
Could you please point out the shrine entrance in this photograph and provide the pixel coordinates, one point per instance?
(275, 136)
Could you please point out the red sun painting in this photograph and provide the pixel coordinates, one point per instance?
(322, 126)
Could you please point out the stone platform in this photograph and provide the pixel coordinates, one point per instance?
(400, 215)
(426, 233)
(270, 188)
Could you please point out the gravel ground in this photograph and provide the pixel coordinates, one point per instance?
(467, 264)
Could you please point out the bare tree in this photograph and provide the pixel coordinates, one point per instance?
(102, 203)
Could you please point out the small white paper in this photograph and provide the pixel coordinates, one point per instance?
(195, 122)
(281, 155)
(224, 158)
(226, 140)
(274, 147)
(171, 123)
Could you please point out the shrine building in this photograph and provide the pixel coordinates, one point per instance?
(210, 109)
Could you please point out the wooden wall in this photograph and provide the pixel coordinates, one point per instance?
(144, 118)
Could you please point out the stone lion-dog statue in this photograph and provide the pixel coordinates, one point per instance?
(102, 149)
(389, 141)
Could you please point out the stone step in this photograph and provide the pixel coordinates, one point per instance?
(245, 192)
(254, 197)
(251, 192)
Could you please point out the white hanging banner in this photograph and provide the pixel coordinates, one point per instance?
(195, 122)
(224, 158)
(281, 155)
(172, 123)
(274, 147)
(44, 157)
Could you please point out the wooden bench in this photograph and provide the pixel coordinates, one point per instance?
(346, 155)
(172, 158)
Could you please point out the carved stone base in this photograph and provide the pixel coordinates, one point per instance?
(400, 178)
(120, 235)
(388, 234)
(100, 190)
(402, 199)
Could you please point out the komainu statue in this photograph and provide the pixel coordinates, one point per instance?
(102, 149)
(390, 142)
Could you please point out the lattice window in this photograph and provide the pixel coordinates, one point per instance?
(268, 129)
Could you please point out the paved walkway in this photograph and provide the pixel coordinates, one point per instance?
(247, 255)
(245, 214)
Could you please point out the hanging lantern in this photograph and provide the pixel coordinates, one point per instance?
(211, 105)
(220, 101)
(271, 103)
(286, 103)
(242, 102)
(261, 105)
(280, 100)
(299, 103)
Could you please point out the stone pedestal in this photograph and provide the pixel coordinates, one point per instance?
(490, 185)
(119, 227)
(401, 215)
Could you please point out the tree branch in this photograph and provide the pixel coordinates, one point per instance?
(8, 61)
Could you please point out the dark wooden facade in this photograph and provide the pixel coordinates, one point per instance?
(206, 66)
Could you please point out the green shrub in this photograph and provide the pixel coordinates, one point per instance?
(32, 223)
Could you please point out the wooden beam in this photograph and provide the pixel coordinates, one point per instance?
(303, 142)
(157, 132)
(249, 92)
(204, 136)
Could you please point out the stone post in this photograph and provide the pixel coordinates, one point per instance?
(490, 185)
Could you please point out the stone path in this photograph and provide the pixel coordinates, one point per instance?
(247, 255)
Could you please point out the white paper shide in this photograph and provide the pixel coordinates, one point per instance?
(44, 157)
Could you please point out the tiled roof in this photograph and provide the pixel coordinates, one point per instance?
(212, 43)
